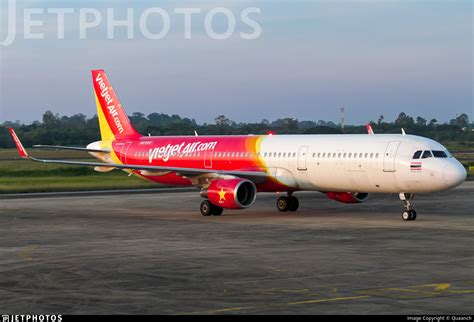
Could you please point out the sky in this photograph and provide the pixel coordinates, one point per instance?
(310, 59)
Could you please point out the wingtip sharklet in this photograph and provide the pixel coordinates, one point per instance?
(19, 145)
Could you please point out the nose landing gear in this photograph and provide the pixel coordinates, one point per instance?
(408, 213)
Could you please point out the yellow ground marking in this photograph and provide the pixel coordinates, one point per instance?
(442, 287)
(330, 300)
(280, 290)
(25, 252)
(279, 305)
(432, 290)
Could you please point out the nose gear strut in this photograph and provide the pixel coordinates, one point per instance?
(408, 213)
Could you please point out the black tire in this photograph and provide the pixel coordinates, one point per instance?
(217, 211)
(412, 214)
(206, 208)
(293, 204)
(282, 204)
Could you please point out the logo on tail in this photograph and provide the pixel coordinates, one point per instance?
(118, 124)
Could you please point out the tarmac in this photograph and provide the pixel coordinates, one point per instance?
(153, 253)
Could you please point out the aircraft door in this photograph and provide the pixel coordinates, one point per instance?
(124, 150)
(389, 156)
(302, 155)
(208, 159)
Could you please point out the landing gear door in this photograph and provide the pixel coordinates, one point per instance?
(389, 156)
(302, 155)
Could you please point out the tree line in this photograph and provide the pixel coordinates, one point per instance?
(78, 130)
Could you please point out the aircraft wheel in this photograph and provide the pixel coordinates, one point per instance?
(412, 214)
(293, 204)
(206, 208)
(283, 204)
(406, 215)
(217, 211)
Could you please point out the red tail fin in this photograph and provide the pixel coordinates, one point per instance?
(110, 110)
(369, 129)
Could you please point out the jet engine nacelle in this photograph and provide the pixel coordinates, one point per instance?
(231, 193)
(348, 197)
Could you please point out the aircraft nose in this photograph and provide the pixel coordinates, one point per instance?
(454, 174)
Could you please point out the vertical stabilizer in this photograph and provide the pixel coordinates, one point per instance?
(113, 121)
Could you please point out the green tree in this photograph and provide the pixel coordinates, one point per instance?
(420, 121)
(50, 120)
(460, 121)
(404, 120)
(380, 120)
(222, 121)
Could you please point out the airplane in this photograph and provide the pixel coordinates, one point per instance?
(231, 170)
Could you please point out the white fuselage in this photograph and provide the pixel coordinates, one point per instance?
(360, 163)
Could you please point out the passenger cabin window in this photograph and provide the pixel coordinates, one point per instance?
(439, 154)
(427, 154)
(417, 154)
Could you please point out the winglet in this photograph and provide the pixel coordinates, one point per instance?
(19, 146)
(369, 129)
(403, 131)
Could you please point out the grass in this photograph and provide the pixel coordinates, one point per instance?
(17, 175)
(62, 183)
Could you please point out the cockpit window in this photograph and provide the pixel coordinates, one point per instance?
(417, 154)
(427, 154)
(439, 154)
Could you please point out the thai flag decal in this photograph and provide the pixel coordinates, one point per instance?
(415, 166)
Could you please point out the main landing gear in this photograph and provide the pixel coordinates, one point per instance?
(208, 209)
(289, 203)
(408, 213)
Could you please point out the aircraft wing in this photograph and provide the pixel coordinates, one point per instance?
(58, 147)
(251, 175)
